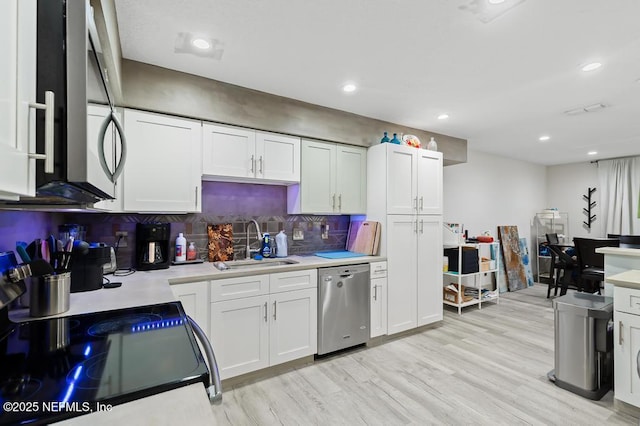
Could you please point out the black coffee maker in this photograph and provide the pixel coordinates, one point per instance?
(87, 266)
(152, 246)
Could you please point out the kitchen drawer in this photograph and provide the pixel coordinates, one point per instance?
(626, 300)
(235, 288)
(378, 269)
(294, 280)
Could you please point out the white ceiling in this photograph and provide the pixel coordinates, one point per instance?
(505, 74)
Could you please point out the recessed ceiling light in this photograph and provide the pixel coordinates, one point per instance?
(201, 43)
(592, 66)
(443, 116)
(544, 138)
(592, 152)
(496, 1)
(348, 88)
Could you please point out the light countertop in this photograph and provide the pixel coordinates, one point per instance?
(630, 279)
(619, 251)
(153, 287)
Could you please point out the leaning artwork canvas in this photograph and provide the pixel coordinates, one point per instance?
(512, 254)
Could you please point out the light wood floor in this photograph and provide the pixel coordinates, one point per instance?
(486, 366)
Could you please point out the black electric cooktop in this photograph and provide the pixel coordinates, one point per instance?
(64, 367)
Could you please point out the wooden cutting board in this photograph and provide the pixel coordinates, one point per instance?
(363, 237)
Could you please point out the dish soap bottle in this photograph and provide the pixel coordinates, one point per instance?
(385, 138)
(395, 139)
(191, 252)
(432, 145)
(281, 243)
(181, 248)
(266, 245)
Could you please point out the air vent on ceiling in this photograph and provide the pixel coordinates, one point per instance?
(588, 108)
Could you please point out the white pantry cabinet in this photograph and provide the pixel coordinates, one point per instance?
(411, 237)
(245, 155)
(162, 171)
(333, 180)
(17, 90)
(378, 293)
(274, 324)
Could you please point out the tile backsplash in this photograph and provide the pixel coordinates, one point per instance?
(224, 202)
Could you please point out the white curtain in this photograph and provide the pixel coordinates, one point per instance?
(619, 192)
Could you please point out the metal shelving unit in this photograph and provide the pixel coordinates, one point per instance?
(548, 222)
(488, 250)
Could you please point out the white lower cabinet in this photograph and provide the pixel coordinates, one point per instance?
(378, 299)
(293, 329)
(195, 301)
(240, 335)
(626, 349)
(279, 325)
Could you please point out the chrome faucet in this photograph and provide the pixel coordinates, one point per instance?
(259, 235)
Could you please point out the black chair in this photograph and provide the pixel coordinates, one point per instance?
(561, 263)
(629, 241)
(590, 263)
(552, 238)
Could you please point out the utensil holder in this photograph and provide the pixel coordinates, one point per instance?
(49, 294)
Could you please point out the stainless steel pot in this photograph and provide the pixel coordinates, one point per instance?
(49, 294)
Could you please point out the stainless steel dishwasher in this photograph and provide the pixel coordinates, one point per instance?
(343, 307)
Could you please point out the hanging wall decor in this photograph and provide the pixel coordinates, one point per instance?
(590, 205)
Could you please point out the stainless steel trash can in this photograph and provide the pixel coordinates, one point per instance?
(583, 344)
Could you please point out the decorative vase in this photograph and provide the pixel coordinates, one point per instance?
(395, 139)
(385, 138)
(432, 145)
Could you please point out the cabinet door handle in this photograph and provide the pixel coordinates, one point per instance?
(421, 226)
(638, 363)
(275, 310)
(421, 203)
(375, 292)
(340, 202)
(333, 203)
(265, 311)
(49, 118)
(415, 203)
(415, 229)
(620, 339)
(260, 164)
(253, 164)
(196, 192)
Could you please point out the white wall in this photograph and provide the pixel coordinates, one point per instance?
(566, 184)
(489, 191)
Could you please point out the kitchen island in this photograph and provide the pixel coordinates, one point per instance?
(616, 261)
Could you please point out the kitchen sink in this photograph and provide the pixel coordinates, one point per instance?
(247, 264)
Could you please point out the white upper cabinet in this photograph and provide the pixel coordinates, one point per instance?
(351, 179)
(228, 151)
(415, 176)
(244, 155)
(333, 180)
(278, 157)
(163, 170)
(17, 90)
